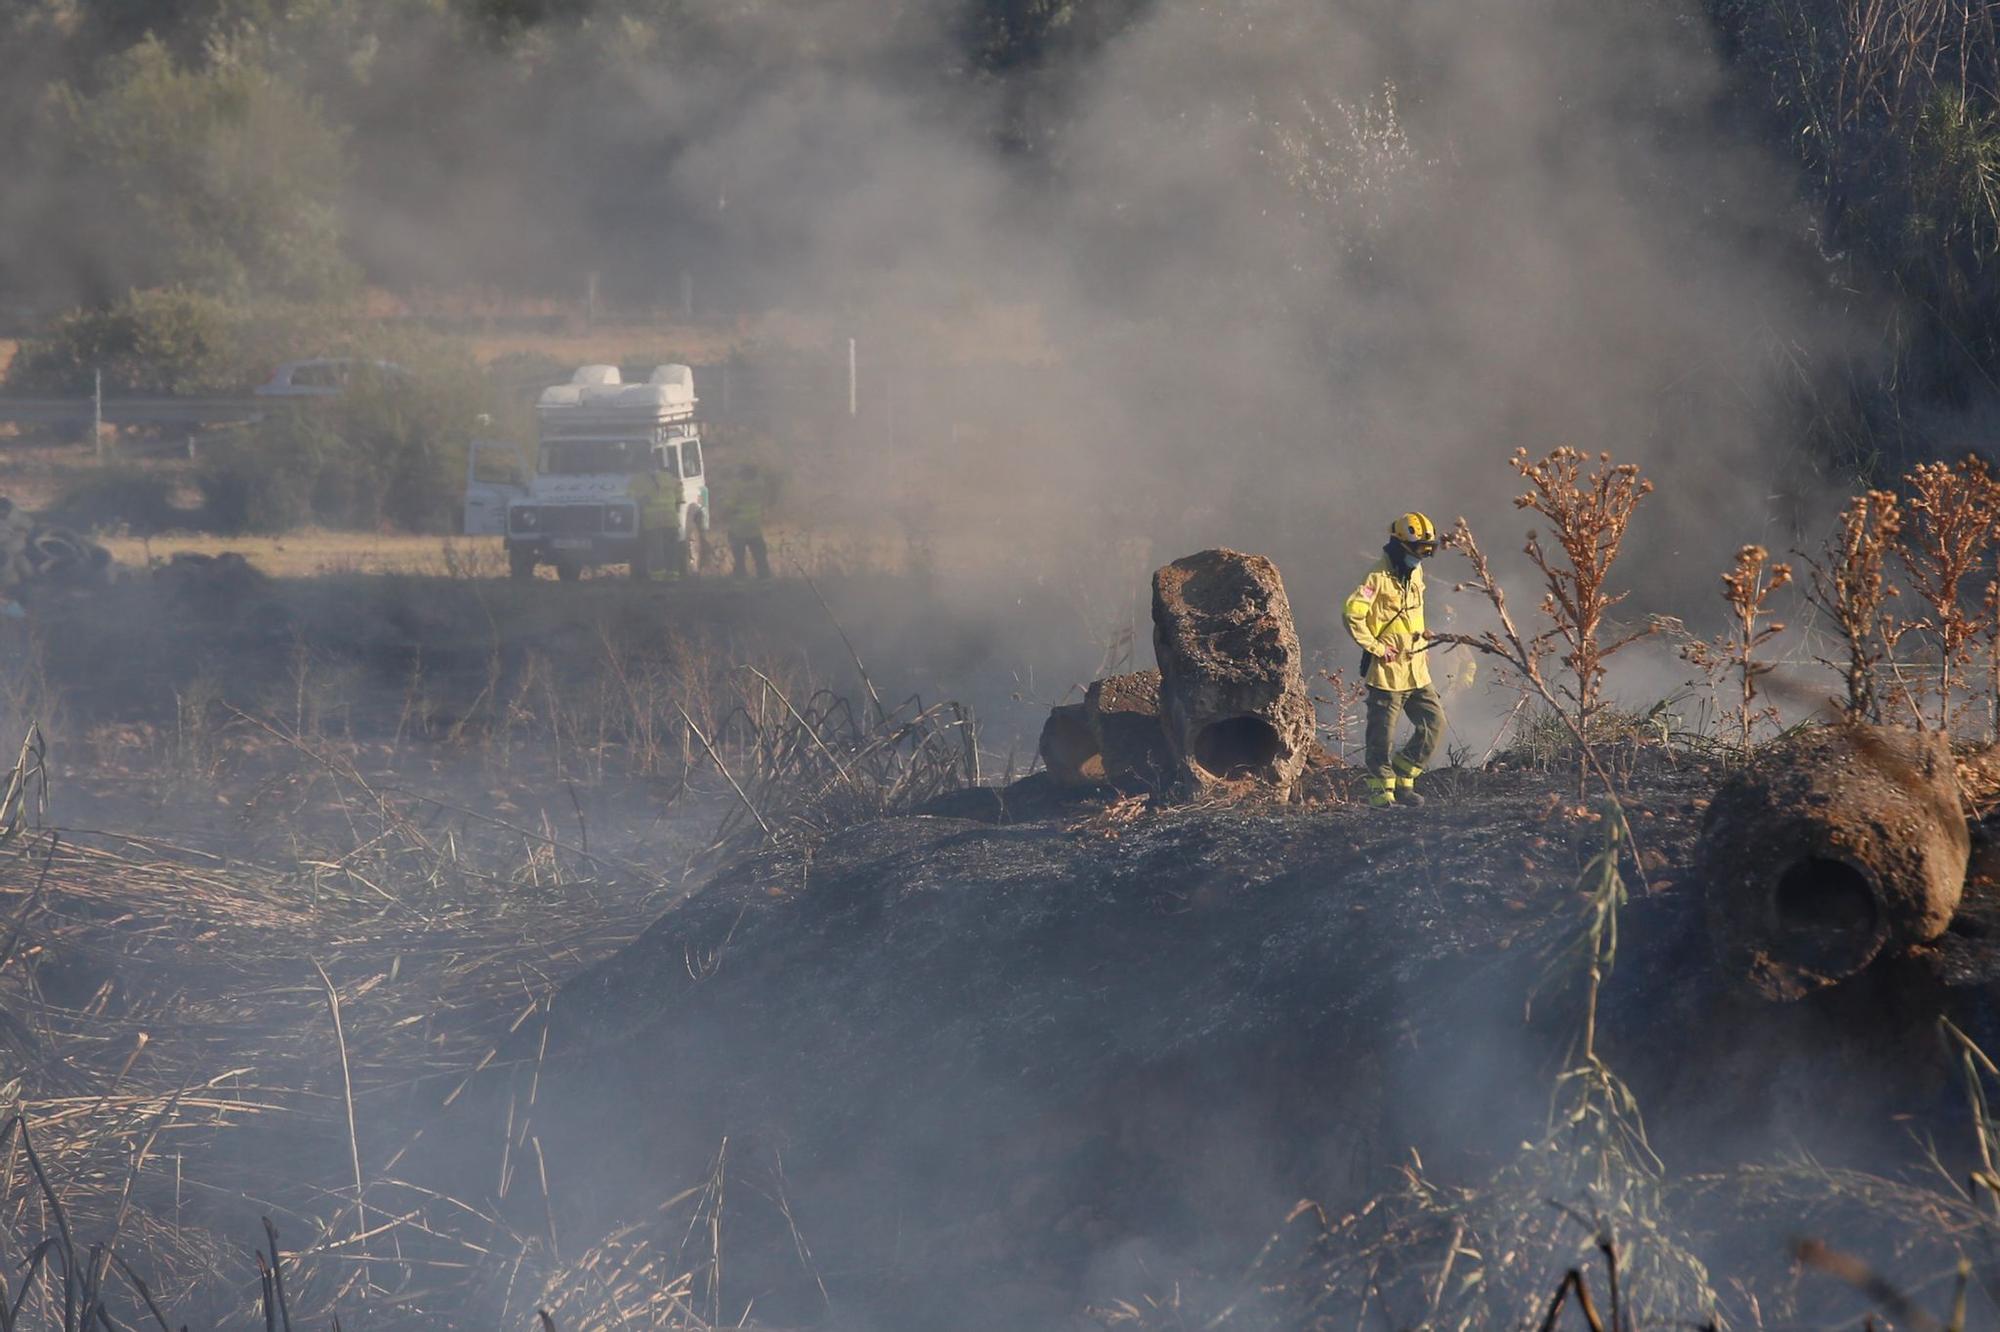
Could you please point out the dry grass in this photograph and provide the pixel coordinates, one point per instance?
(615, 344)
(313, 552)
(197, 1040)
(1007, 334)
(317, 552)
(163, 995)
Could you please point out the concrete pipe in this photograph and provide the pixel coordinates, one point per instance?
(1833, 846)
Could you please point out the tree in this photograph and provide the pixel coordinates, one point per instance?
(225, 179)
(150, 342)
(389, 450)
(1005, 35)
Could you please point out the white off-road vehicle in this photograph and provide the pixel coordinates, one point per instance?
(619, 479)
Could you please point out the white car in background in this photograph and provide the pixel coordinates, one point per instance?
(322, 378)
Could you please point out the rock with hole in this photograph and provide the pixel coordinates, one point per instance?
(1830, 849)
(1232, 684)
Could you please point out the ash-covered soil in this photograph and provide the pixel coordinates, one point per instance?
(984, 1073)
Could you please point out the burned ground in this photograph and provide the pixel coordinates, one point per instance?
(1011, 1069)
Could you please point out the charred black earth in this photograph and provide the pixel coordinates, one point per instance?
(985, 1066)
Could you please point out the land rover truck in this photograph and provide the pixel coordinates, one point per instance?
(619, 479)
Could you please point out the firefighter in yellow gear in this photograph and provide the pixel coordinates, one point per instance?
(1385, 615)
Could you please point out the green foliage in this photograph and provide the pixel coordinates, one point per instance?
(1952, 228)
(524, 374)
(224, 178)
(1893, 112)
(269, 479)
(508, 18)
(1003, 35)
(174, 342)
(388, 452)
(126, 496)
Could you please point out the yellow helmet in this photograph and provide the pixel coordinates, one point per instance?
(1416, 532)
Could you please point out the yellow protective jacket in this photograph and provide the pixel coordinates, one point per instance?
(1388, 611)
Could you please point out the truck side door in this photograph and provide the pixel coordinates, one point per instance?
(694, 480)
(495, 473)
(663, 505)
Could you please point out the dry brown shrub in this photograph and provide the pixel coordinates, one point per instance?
(1747, 588)
(1522, 654)
(1588, 515)
(1990, 603)
(1954, 508)
(1850, 586)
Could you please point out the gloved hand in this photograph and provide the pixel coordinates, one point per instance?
(1388, 652)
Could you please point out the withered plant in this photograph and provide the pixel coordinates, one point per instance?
(1747, 588)
(1953, 508)
(1990, 603)
(1588, 514)
(1850, 586)
(1523, 655)
(1344, 697)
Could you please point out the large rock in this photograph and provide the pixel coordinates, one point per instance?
(1838, 844)
(1068, 749)
(1123, 712)
(1232, 683)
(1112, 738)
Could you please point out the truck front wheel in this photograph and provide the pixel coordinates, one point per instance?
(521, 563)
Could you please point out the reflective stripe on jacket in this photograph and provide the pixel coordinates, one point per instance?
(1387, 611)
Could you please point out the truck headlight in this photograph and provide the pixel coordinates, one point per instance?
(523, 518)
(618, 518)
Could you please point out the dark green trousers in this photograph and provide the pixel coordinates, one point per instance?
(1426, 714)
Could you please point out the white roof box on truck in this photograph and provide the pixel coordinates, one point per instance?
(599, 392)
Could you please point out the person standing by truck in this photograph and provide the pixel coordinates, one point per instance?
(1385, 616)
(749, 493)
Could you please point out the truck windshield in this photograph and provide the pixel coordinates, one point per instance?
(572, 457)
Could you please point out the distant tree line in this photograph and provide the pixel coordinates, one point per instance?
(291, 148)
(294, 150)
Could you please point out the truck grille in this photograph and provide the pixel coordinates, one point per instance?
(564, 520)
